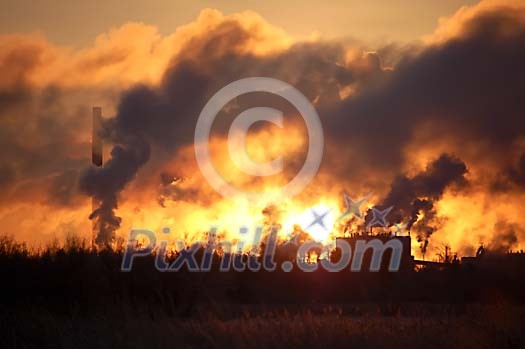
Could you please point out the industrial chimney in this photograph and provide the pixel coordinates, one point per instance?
(96, 159)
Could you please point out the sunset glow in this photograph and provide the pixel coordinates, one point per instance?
(45, 174)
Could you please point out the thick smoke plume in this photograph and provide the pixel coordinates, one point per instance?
(425, 127)
(413, 199)
(441, 86)
(105, 183)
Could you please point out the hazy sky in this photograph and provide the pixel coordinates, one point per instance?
(424, 133)
(78, 22)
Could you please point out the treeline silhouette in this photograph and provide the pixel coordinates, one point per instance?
(71, 296)
(72, 277)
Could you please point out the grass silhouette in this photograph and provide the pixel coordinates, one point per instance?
(69, 296)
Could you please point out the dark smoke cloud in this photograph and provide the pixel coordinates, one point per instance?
(7, 176)
(165, 116)
(63, 188)
(41, 127)
(175, 188)
(505, 237)
(468, 88)
(43, 148)
(429, 184)
(511, 178)
(104, 184)
(411, 197)
(517, 174)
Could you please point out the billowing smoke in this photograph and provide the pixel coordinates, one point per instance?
(517, 174)
(104, 184)
(442, 86)
(165, 116)
(403, 122)
(512, 177)
(413, 199)
(505, 237)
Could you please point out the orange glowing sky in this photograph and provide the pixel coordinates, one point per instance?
(77, 23)
(59, 58)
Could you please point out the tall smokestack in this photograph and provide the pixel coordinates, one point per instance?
(96, 158)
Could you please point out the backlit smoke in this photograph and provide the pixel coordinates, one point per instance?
(413, 198)
(434, 129)
(440, 86)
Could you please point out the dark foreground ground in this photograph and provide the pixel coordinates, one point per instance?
(496, 326)
(74, 298)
